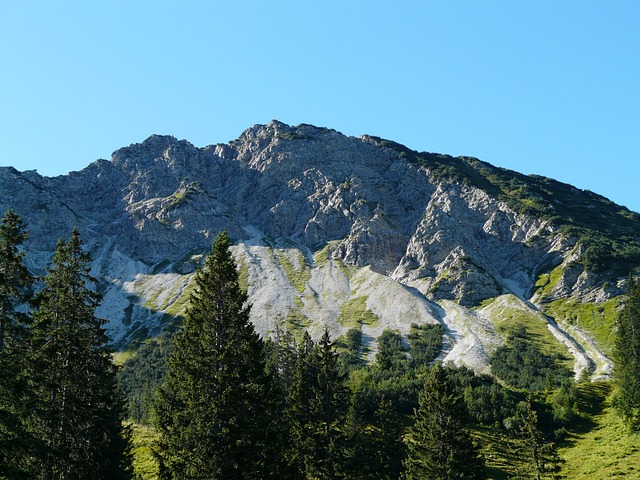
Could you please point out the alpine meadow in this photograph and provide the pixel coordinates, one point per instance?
(300, 304)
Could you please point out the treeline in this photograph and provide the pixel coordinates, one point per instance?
(61, 411)
(627, 359)
(228, 404)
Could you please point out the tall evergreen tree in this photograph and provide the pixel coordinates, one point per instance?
(439, 447)
(281, 364)
(329, 407)
(15, 283)
(318, 409)
(539, 457)
(78, 414)
(627, 358)
(300, 451)
(374, 447)
(214, 409)
(389, 451)
(14, 277)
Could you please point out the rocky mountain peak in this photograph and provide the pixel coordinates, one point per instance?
(320, 220)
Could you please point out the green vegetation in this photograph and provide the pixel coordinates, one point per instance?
(178, 307)
(510, 317)
(547, 281)
(181, 196)
(298, 275)
(522, 365)
(439, 446)
(297, 321)
(599, 445)
(627, 358)
(15, 286)
(425, 342)
(354, 312)
(539, 457)
(609, 233)
(141, 375)
(144, 442)
(597, 319)
(392, 355)
(243, 274)
(61, 411)
(323, 255)
(350, 350)
(213, 408)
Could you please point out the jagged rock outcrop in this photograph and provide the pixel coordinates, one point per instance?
(321, 220)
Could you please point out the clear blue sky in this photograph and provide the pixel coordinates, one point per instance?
(545, 87)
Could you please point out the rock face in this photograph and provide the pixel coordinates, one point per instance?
(323, 223)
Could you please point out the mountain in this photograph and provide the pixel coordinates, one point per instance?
(346, 232)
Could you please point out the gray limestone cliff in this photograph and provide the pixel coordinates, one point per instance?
(321, 222)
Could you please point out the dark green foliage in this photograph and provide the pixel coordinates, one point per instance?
(522, 365)
(374, 447)
(627, 358)
(214, 412)
(439, 447)
(487, 402)
(350, 356)
(604, 252)
(142, 375)
(564, 403)
(358, 443)
(388, 450)
(77, 411)
(391, 353)
(299, 401)
(539, 457)
(15, 283)
(328, 408)
(15, 279)
(281, 352)
(426, 343)
(609, 233)
(281, 364)
(319, 403)
(336, 433)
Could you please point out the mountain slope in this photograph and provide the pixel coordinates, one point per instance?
(341, 231)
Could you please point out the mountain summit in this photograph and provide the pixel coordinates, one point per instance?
(345, 232)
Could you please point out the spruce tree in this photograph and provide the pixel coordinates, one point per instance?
(15, 283)
(389, 451)
(214, 410)
(627, 358)
(329, 408)
(539, 457)
(359, 450)
(374, 447)
(305, 383)
(281, 364)
(439, 447)
(15, 279)
(318, 411)
(78, 414)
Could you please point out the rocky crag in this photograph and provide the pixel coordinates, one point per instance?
(343, 232)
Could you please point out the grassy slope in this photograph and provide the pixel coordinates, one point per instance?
(600, 447)
(508, 314)
(145, 466)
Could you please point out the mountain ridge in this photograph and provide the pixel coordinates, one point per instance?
(324, 222)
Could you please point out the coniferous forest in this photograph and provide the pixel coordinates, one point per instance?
(223, 403)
